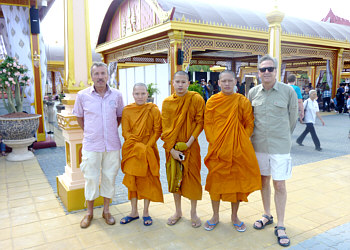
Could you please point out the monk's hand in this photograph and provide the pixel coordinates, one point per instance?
(190, 141)
(181, 146)
(175, 154)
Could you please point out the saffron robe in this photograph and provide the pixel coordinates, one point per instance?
(141, 126)
(182, 117)
(233, 168)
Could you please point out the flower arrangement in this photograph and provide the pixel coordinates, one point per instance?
(13, 78)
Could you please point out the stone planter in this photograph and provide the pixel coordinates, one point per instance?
(150, 99)
(18, 133)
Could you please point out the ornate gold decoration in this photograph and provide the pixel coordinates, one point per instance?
(67, 122)
(162, 15)
(191, 44)
(153, 47)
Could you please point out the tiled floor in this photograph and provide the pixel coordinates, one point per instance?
(32, 217)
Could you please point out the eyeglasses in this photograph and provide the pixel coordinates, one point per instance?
(270, 69)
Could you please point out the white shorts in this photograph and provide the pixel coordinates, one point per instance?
(279, 166)
(94, 163)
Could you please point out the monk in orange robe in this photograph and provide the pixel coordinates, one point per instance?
(182, 122)
(141, 125)
(233, 168)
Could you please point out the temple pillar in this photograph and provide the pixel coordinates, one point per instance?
(275, 18)
(313, 76)
(338, 67)
(176, 38)
(77, 64)
(38, 97)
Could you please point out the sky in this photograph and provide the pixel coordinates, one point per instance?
(52, 28)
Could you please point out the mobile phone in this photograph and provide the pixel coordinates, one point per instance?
(182, 157)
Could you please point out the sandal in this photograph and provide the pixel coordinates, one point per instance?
(279, 238)
(268, 222)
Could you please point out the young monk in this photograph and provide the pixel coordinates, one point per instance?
(182, 122)
(141, 125)
(233, 168)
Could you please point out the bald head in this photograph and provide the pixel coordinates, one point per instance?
(140, 84)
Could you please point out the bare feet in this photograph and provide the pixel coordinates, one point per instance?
(174, 219)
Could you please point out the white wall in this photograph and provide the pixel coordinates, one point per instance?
(158, 74)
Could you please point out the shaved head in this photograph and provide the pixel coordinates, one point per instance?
(140, 84)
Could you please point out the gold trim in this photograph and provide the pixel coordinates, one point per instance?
(68, 154)
(78, 147)
(88, 42)
(68, 102)
(67, 122)
(10, 2)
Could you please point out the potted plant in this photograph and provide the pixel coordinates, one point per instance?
(60, 106)
(16, 128)
(196, 87)
(152, 89)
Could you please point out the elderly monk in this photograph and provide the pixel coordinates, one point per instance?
(141, 126)
(233, 168)
(182, 122)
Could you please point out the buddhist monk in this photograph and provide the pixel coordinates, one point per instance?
(182, 122)
(141, 125)
(233, 168)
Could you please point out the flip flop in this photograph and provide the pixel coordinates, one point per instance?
(172, 222)
(213, 225)
(128, 219)
(239, 225)
(147, 218)
(268, 222)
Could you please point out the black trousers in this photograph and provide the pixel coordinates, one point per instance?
(326, 103)
(310, 129)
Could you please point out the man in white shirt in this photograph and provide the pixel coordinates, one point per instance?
(311, 111)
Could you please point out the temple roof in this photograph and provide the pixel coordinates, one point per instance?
(253, 19)
(215, 13)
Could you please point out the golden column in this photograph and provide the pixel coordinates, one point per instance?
(338, 67)
(313, 74)
(275, 18)
(176, 38)
(77, 63)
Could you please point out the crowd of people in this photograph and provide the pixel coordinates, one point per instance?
(249, 144)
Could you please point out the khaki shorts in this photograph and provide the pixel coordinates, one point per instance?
(279, 166)
(94, 163)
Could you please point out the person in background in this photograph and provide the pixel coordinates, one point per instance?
(2, 147)
(340, 98)
(326, 97)
(291, 79)
(305, 93)
(311, 111)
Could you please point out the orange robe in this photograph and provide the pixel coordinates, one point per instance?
(182, 117)
(141, 125)
(233, 168)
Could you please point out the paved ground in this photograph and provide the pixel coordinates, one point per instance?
(318, 209)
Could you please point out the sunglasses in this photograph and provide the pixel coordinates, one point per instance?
(270, 69)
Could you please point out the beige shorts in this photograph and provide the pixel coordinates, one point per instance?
(279, 166)
(94, 163)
